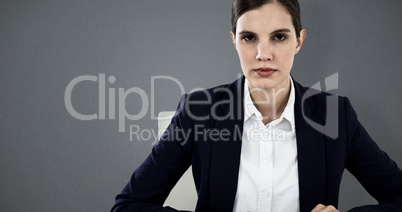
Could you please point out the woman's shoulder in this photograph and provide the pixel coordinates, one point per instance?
(322, 102)
(219, 92)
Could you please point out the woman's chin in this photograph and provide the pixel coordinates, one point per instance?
(268, 83)
(262, 84)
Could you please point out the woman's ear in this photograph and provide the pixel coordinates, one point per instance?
(232, 35)
(300, 40)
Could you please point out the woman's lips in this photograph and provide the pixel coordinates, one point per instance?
(265, 72)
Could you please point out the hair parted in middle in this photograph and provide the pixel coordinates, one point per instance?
(239, 7)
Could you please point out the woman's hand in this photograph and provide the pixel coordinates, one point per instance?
(323, 208)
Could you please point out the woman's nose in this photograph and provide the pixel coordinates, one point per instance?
(264, 52)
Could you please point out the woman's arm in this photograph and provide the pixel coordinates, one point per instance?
(372, 167)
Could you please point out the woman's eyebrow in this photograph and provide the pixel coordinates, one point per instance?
(284, 30)
(245, 32)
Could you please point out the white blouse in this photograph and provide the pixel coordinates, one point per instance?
(268, 173)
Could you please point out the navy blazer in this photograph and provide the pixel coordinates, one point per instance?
(206, 133)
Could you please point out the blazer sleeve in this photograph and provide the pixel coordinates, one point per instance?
(372, 167)
(152, 182)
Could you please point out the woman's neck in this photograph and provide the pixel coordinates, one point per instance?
(271, 102)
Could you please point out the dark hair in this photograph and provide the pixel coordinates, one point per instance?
(239, 7)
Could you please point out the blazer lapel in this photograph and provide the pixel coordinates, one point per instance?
(225, 157)
(311, 154)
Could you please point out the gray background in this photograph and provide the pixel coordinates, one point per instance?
(50, 161)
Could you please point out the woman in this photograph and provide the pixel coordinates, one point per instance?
(250, 143)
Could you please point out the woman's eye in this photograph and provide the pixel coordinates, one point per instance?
(280, 37)
(248, 38)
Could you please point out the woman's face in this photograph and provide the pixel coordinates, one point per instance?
(266, 42)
